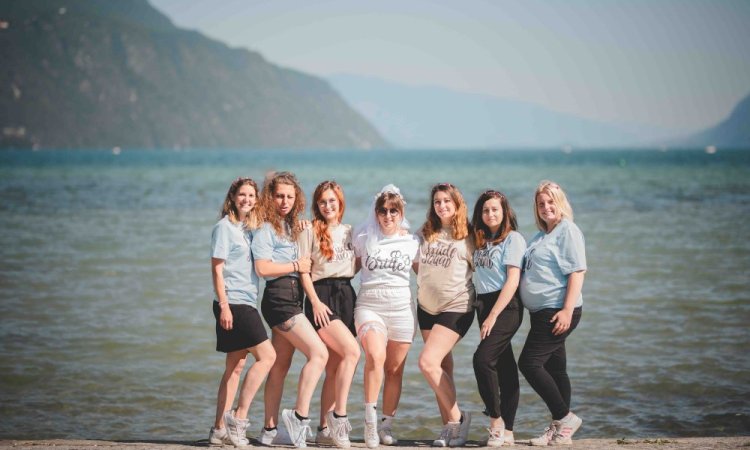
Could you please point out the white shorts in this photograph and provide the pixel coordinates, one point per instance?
(386, 310)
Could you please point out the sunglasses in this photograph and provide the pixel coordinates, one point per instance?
(391, 211)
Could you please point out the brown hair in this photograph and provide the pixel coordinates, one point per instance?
(390, 199)
(460, 221)
(320, 226)
(228, 208)
(267, 209)
(481, 231)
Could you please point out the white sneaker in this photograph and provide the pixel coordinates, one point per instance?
(278, 436)
(323, 437)
(385, 432)
(460, 439)
(450, 430)
(339, 429)
(298, 430)
(545, 437)
(371, 435)
(496, 437)
(236, 429)
(219, 436)
(564, 429)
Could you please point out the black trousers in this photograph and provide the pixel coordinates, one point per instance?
(494, 364)
(543, 361)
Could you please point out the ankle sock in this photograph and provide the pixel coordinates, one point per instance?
(269, 429)
(296, 414)
(337, 416)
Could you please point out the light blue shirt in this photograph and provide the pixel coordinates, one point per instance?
(231, 242)
(490, 271)
(549, 260)
(270, 246)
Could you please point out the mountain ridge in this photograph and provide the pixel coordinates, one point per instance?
(98, 74)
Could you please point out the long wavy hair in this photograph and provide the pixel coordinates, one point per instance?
(558, 197)
(320, 226)
(267, 206)
(481, 231)
(228, 208)
(460, 221)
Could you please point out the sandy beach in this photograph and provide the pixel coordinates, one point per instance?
(588, 444)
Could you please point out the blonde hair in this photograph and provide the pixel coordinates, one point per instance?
(460, 221)
(320, 226)
(267, 210)
(228, 208)
(558, 198)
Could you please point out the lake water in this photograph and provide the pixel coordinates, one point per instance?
(106, 329)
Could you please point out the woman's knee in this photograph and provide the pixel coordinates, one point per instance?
(482, 362)
(428, 364)
(351, 353)
(375, 358)
(318, 355)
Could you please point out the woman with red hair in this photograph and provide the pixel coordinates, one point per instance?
(329, 306)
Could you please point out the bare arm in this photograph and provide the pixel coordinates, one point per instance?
(320, 310)
(268, 268)
(217, 274)
(506, 295)
(565, 315)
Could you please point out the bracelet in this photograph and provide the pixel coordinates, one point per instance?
(223, 303)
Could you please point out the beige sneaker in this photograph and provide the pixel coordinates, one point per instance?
(565, 428)
(545, 437)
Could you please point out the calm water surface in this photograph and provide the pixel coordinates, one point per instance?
(106, 329)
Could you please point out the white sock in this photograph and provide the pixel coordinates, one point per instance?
(387, 421)
(370, 414)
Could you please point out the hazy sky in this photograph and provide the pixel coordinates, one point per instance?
(677, 64)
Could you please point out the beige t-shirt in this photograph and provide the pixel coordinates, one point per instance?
(444, 280)
(342, 263)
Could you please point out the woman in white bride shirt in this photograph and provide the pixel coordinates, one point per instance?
(384, 317)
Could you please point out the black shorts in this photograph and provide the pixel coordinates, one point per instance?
(247, 329)
(338, 294)
(456, 321)
(282, 300)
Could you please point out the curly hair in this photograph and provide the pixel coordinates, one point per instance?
(228, 208)
(267, 207)
(481, 231)
(320, 226)
(558, 197)
(460, 221)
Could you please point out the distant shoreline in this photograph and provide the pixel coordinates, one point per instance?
(587, 444)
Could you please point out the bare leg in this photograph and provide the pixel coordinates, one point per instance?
(300, 333)
(437, 346)
(328, 392)
(395, 361)
(265, 356)
(447, 366)
(233, 366)
(341, 342)
(374, 345)
(275, 381)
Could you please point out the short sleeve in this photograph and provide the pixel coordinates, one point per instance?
(359, 245)
(220, 242)
(572, 250)
(262, 245)
(515, 247)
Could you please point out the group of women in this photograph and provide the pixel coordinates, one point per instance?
(462, 266)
